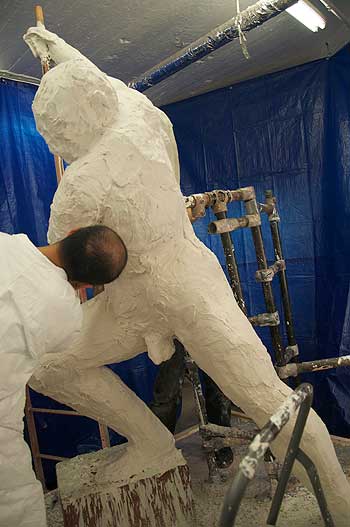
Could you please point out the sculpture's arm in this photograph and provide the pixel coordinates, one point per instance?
(48, 46)
(78, 202)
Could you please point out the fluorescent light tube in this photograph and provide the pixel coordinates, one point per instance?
(307, 15)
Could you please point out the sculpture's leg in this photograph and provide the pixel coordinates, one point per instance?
(75, 379)
(222, 342)
(100, 394)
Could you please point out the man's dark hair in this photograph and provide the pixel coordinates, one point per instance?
(93, 255)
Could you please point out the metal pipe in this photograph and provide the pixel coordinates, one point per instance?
(198, 203)
(192, 372)
(277, 245)
(257, 450)
(231, 264)
(252, 208)
(294, 369)
(289, 460)
(247, 20)
(233, 224)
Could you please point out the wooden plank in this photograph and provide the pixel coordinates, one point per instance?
(33, 438)
(52, 458)
(55, 412)
(104, 435)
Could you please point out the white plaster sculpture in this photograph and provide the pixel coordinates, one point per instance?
(124, 173)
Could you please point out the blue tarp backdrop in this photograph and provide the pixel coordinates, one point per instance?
(288, 131)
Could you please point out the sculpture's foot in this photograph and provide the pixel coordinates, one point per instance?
(126, 461)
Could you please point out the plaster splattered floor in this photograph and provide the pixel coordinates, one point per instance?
(299, 506)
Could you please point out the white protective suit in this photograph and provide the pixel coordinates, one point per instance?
(39, 313)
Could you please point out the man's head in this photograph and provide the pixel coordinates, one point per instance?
(93, 255)
(74, 105)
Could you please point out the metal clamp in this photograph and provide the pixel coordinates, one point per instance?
(265, 319)
(270, 206)
(198, 204)
(291, 352)
(267, 275)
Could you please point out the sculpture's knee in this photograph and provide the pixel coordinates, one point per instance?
(48, 377)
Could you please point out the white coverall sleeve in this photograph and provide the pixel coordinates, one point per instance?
(51, 317)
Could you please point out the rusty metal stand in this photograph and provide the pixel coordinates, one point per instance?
(300, 399)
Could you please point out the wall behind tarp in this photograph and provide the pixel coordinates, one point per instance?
(27, 185)
(288, 132)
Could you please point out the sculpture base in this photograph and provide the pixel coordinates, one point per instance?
(154, 497)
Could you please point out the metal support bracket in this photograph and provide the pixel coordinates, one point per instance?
(217, 199)
(267, 275)
(294, 369)
(216, 437)
(291, 352)
(233, 224)
(265, 319)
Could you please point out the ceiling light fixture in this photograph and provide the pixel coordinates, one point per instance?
(308, 15)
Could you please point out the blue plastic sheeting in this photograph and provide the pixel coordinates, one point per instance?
(288, 132)
(27, 185)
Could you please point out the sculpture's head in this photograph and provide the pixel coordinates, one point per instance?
(73, 106)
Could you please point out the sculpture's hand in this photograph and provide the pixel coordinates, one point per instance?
(40, 40)
(48, 46)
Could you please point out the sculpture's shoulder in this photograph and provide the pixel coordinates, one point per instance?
(87, 173)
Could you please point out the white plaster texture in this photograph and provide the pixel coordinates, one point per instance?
(124, 173)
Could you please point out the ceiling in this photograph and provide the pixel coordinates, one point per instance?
(127, 37)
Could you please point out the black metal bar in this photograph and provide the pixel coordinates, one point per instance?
(277, 245)
(300, 398)
(192, 371)
(289, 460)
(294, 369)
(316, 485)
(248, 19)
(252, 208)
(231, 264)
(232, 500)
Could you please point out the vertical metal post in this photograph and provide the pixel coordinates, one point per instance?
(277, 246)
(251, 207)
(219, 210)
(192, 371)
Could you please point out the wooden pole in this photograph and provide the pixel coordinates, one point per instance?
(39, 17)
(34, 443)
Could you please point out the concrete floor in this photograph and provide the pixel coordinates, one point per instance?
(299, 507)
